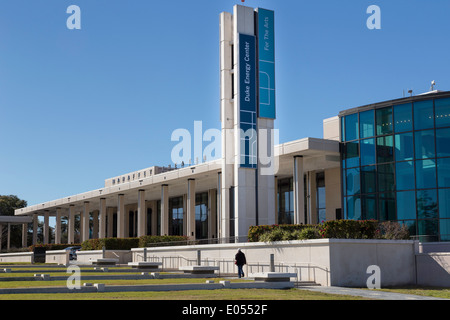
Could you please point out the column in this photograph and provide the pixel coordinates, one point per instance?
(142, 214)
(71, 225)
(58, 226)
(102, 219)
(1, 235)
(298, 191)
(276, 198)
(121, 216)
(8, 239)
(24, 234)
(85, 222)
(164, 209)
(46, 228)
(190, 209)
(35, 228)
(110, 228)
(154, 216)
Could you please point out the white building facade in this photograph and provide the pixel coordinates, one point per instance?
(256, 182)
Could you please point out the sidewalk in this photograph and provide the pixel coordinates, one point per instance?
(371, 294)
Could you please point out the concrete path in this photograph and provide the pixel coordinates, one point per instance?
(371, 294)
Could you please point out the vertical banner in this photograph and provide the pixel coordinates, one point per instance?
(247, 101)
(266, 52)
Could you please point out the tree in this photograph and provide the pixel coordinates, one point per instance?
(7, 206)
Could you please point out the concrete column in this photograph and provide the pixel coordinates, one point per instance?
(46, 228)
(164, 209)
(276, 198)
(298, 191)
(102, 219)
(24, 234)
(190, 209)
(121, 216)
(71, 225)
(58, 226)
(142, 214)
(85, 222)
(35, 228)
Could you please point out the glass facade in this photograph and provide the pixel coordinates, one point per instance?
(395, 162)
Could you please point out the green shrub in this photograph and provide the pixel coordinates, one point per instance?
(349, 229)
(110, 244)
(51, 246)
(307, 233)
(153, 241)
(392, 230)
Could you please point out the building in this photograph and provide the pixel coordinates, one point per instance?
(396, 163)
(387, 161)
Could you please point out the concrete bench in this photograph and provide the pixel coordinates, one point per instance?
(145, 265)
(104, 261)
(199, 269)
(273, 276)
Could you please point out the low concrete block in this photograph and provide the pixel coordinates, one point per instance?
(273, 276)
(145, 265)
(199, 269)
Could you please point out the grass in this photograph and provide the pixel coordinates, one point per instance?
(422, 291)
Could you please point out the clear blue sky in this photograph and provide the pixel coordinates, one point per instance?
(80, 106)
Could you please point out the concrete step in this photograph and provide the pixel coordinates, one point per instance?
(306, 284)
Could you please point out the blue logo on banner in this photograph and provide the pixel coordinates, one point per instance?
(266, 51)
(247, 101)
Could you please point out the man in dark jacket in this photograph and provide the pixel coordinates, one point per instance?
(240, 260)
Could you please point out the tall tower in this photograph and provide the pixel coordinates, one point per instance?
(247, 73)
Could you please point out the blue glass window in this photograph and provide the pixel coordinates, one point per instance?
(368, 152)
(443, 167)
(354, 208)
(386, 176)
(423, 115)
(427, 204)
(425, 174)
(424, 144)
(386, 205)
(352, 181)
(406, 205)
(442, 112)
(403, 117)
(368, 179)
(351, 127)
(428, 230)
(404, 174)
(369, 207)
(366, 124)
(444, 228)
(351, 154)
(404, 146)
(385, 149)
(443, 142)
(444, 203)
(384, 121)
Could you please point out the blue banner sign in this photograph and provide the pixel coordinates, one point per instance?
(247, 101)
(266, 52)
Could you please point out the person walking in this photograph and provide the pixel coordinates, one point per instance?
(240, 260)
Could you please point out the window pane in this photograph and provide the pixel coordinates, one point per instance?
(428, 230)
(366, 124)
(384, 121)
(404, 173)
(425, 174)
(426, 204)
(351, 154)
(368, 179)
(351, 127)
(385, 150)
(368, 152)
(386, 177)
(369, 207)
(404, 146)
(444, 203)
(443, 167)
(424, 144)
(353, 208)
(406, 205)
(423, 115)
(411, 224)
(442, 112)
(443, 142)
(386, 205)
(403, 117)
(444, 229)
(352, 181)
